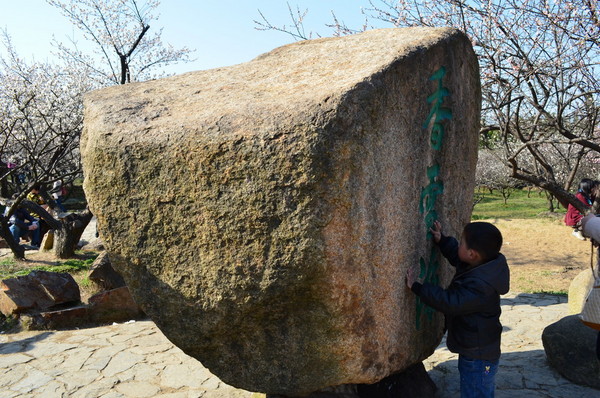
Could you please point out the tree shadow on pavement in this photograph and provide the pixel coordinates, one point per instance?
(534, 299)
(23, 345)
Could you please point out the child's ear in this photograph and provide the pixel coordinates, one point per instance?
(475, 256)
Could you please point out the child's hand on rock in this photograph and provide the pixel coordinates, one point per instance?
(436, 231)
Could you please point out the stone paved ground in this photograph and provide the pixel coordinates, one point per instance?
(135, 360)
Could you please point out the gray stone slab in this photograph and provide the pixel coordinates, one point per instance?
(8, 361)
(76, 380)
(112, 394)
(34, 380)
(138, 389)
(121, 362)
(51, 389)
(98, 388)
(180, 375)
(96, 364)
(144, 372)
(77, 358)
(153, 349)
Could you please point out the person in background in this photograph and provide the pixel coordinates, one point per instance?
(58, 194)
(37, 198)
(585, 194)
(23, 223)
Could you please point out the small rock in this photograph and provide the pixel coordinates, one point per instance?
(94, 245)
(104, 274)
(578, 290)
(40, 290)
(414, 382)
(59, 319)
(114, 305)
(48, 241)
(570, 348)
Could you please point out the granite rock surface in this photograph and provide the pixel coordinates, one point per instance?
(264, 214)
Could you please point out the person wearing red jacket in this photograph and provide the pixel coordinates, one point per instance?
(585, 194)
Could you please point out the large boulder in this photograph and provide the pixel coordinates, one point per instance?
(264, 215)
(570, 347)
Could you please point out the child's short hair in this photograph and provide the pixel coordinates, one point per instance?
(484, 238)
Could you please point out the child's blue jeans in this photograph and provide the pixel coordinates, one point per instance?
(477, 377)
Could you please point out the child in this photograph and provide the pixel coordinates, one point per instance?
(585, 194)
(471, 303)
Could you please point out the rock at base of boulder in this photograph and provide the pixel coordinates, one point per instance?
(343, 391)
(96, 245)
(103, 274)
(60, 319)
(571, 349)
(115, 305)
(40, 290)
(414, 382)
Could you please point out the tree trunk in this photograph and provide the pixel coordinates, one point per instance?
(4, 189)
(550, 199)
(15, 247)
(67, 231)
(505, 192)
(68, 234)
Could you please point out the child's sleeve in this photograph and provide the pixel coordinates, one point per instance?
(461, 299)
(449, 248)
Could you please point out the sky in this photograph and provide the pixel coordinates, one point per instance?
(222, 32)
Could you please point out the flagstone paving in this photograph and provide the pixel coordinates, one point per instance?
(134, 359)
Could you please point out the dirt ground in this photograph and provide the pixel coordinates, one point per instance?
(542, 254)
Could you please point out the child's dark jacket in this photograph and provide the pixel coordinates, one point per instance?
(471, 303)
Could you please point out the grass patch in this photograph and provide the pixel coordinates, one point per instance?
(564, 293)
(535, 283)
(520, 204)
(8, 262)
(12, 269)
(8, 323)
(85, 282)
(8, 266)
